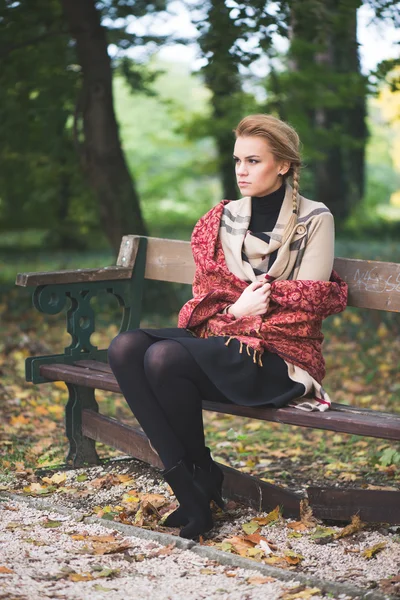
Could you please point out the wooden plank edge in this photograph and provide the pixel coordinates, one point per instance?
(372, 506)
(73, 276)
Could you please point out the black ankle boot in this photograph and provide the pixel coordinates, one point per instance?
(192, 501)
(207, 475)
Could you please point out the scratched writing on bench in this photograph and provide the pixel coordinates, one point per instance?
(371, 281)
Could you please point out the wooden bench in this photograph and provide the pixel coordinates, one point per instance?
(83, 367)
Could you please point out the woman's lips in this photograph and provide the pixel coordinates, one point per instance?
(243, 183)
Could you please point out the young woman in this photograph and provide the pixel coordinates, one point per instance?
(251, 334)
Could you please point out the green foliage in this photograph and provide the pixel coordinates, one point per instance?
(390, 456)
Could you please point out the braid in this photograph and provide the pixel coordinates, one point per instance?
(295, 178)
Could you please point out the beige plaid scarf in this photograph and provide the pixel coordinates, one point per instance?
(247, 255)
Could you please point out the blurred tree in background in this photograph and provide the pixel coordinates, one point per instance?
(69, 66)
(57, 115)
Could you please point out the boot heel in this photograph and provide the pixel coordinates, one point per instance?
(218, 500)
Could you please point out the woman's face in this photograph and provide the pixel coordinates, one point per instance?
(257, 172)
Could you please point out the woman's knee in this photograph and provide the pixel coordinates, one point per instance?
(125, 346)
(163, 358)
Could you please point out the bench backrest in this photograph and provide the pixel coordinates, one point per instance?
(372, 284)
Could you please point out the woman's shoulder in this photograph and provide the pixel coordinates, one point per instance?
(311, 209)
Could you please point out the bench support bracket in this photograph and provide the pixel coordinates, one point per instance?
(82, 450)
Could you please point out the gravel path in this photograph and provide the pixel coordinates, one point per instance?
(47, 554)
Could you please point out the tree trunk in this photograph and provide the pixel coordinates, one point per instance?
(324, 35)
(222, 78)
(102, 155)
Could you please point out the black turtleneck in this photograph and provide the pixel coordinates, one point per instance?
(265, 210)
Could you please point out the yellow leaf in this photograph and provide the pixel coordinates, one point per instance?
(207, 572)
(60, 385)
(80, 577)
(371, 552)
(274, 515)
(19, 420)
(253, 425)
(250, 527)
(56, 478)
(300, 593)
(259, 580)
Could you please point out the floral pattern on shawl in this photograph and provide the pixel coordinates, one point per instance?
(292, 325)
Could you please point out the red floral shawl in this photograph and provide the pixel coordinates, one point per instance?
(291, 327)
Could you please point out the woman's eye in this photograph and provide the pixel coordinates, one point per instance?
(253, 161)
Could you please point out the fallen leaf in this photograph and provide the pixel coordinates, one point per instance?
(369, 553)
(322, 534)
(110, 548)
(80, 577)
(355, 526)
(259, 580)
(306, 514)
(265, 547)
(297, 526)
(292, 558)
(207, 572)
(5, 570)
(300, 592)
(271, 517)
(57, 478)
(239, 544)
(250, 527)
(165, 551)
(50, 524)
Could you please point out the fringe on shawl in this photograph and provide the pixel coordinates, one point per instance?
(256, 353)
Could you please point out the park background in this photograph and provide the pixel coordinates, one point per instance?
(116, 118)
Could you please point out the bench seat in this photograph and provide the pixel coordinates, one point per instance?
(340, 418)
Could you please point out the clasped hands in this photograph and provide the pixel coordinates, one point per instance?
(253, 301)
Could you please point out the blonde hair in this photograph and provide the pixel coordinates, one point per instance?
(283, 142)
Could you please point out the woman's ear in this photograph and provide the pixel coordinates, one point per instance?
(284, 167)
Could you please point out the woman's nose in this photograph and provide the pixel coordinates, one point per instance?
(241, 169)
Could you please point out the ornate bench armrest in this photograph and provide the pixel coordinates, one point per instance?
(75, 276)
(75, 290)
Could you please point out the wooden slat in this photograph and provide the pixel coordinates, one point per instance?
(169, 260)
(95, 365)
(237, 486)
(76, 276)
(380, 425)
(371, 505)
(372, 284)
(117, 435)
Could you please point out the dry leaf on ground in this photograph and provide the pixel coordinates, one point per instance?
(371, 552)
(259, 580)
(354, 527)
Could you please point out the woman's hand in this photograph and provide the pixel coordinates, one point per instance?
(253, 301)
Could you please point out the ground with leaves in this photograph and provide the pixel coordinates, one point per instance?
(362, 364)
(129, 492)
(45, 555)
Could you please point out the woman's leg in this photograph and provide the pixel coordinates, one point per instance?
(126, 358)
(164, 387)
(179, 385)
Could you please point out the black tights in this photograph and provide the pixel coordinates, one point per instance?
(164, 387)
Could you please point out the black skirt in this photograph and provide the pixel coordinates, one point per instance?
(235, 374)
